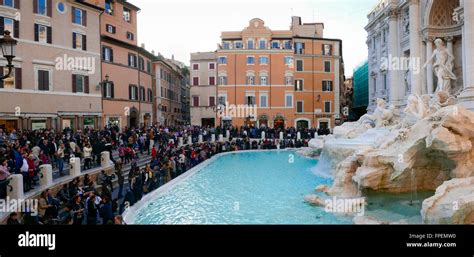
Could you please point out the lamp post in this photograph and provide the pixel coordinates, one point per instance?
(8, 45)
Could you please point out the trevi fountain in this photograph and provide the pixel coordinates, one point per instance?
(425, 146)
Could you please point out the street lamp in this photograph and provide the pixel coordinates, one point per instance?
(8, 45)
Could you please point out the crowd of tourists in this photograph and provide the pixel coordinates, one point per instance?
(87, 201)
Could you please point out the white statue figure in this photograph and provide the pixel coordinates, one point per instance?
(443, 67)
(440, 100)
(415, 107)
(381, 116)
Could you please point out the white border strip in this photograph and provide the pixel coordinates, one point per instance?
(129, 215)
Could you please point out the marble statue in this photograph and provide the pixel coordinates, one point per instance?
(443, 66)
(441, 99)
(415, 107)
(381, 116)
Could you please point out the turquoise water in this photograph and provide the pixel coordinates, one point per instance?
(255, 188)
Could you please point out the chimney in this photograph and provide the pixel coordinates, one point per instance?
(172, 57)
(153, 52)
(143, 45)
(295, 21)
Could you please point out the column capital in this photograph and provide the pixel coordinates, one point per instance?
(392, 13)
(427, 39)
(449, 39)
(413, 2)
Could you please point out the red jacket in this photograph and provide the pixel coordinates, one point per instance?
(31, 167)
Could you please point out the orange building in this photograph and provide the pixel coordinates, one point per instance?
(292, 76)
(127, 69)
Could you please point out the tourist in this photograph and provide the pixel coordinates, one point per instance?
(77, 210)
(4, 174)
(92, 209)
(60, 158)
(106, 212)
(87, 150)
(13, 219)
(118, 220)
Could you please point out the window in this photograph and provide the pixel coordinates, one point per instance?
(109, 8)
(43, 80)
(212, 81)
(222, 80)
(250, 80)
(195, 81)
(299, 106)
(79, 85)
(288, 80)
(42, 7)
(127, 14)
(222, 60)
(110, 29)
(141, 63)
(108, 90)
(327, 49)
(299, 65)
(263, 80)
(222, 99)
(133, 92)
(250, 100)
(43, 34)
(250, 44)
(263, 100)
(148, 66)
(262, 44)
(299, 48)
(327, 106)
(287, 44)
(289, 101)
(226, 45)
(130, 36)
(263, 60)
(11, 25)
(79, 41)
(196, 66)
(132, 60)
(327, 86)
(78, 16)
(327, 66)
(299, 85)
(238, 45)
(142, 94)
(150, 95)
(275, 45)
(288, 61)
(195, 101)
(11, 81)
(212, 101)
(250, 60)
(212, 66)
(107, 54)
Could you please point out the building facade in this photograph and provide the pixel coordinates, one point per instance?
(404, 31)
(203, 89)
(56, 68)
(292, 77)
(347, 92)
(361, 91)
(170, 86)
(127, 71)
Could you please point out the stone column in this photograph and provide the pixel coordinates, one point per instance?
(394, 77)
(75, 167)
(180, 141)
(429, 67)
(263, 134)
(415, 43)
(449, 44)
(467, 95)
(213, 138)
(190, 140)
(46, 177)
(281, 135)
(16, 184)
(200, 139)
(104, 159)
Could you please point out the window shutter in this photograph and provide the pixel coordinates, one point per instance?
(84, 18)
(74, 86)
(50, 8)
(2, 26)
(1, 81)
(103, 53)
(114, 30)
(46, 79)
(84, 42)
(86, 84)
(111, 55)
(18, 76)
(74, 36)
(35, 6)
(36, 32)
(112, 93)
(129, 60)
(73, 14)
(104, 90)
(49, 35)
(130, 92)
(17, 4)
(16, 29)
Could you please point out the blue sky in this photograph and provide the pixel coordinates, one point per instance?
(181, 27)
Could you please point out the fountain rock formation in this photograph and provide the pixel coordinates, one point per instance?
(429, 143)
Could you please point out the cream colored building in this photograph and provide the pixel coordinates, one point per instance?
(55, 83)
(406, 30)
(203, 88)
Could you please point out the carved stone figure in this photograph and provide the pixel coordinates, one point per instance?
(443, 66)
(415, 107)
(382, 116)
(440, 100)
